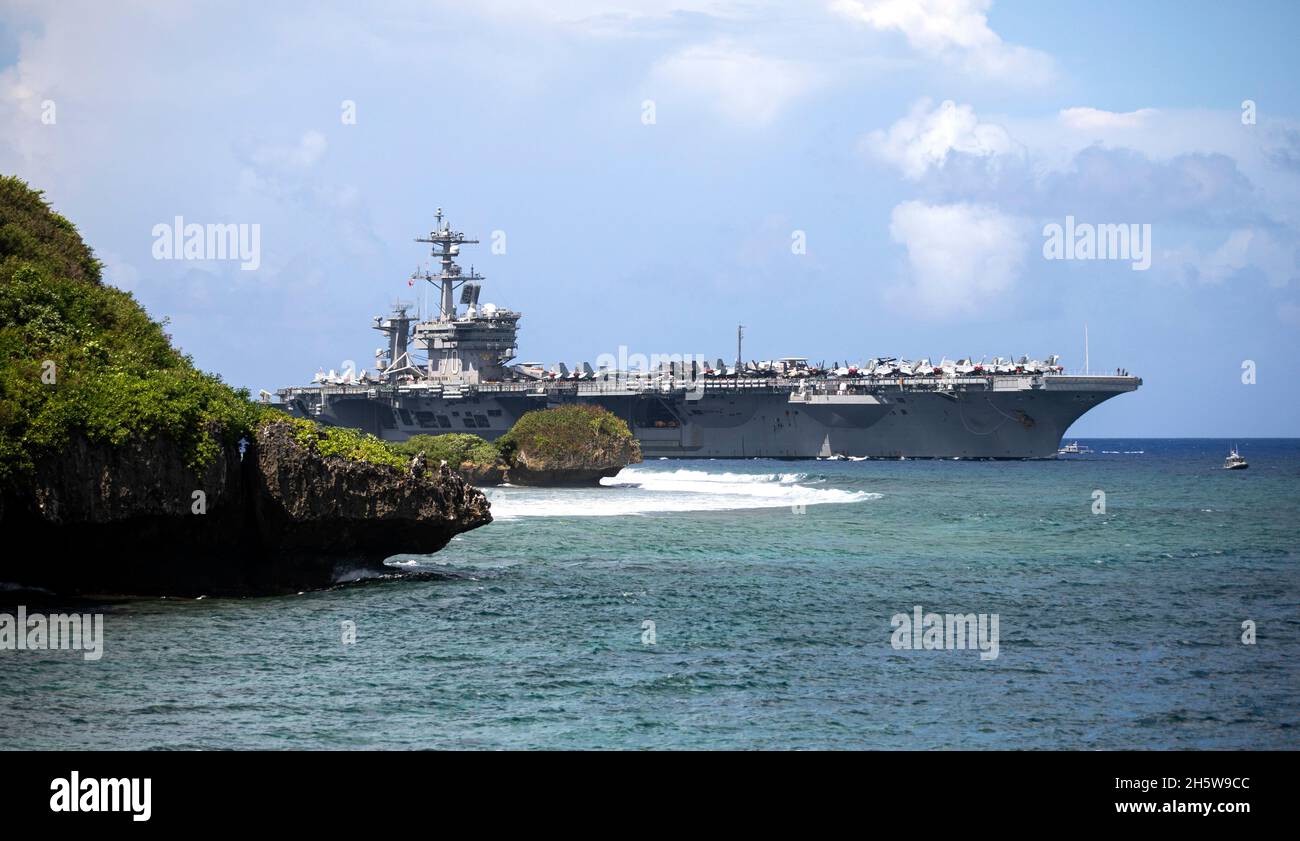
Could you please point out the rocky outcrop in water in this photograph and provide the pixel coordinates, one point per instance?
(579, 470)
(565, 446)
(304, 505)
(135, 519)
(484, 476)
(545, 475)
(572, 445)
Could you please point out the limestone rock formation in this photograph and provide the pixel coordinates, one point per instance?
(134, 519)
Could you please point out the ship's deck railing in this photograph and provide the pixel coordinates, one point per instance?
(794, 386)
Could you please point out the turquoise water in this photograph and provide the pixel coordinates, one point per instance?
(772, 625)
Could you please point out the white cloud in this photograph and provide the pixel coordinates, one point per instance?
(289, 171)
(744, 86)
(1157, 165)
(1229, 258)
(958, 255)
(955, 31)
(1244, 249)
(305, 154)
(604, 16)
(1089, 119)
(1101, 167)
(118, 272)
(923, 139)
(1054, 139)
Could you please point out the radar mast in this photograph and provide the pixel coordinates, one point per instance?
(445, 245)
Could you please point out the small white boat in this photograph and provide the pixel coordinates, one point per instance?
(1235, 461)
(1073, 448)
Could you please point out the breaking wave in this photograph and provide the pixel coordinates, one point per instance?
(639, 475)
(637, 490)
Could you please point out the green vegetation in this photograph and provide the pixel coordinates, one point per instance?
(570, 435)
(567, 437)
(78, 356)
(339, 441)
(573, 434)
(454, 448)
(31, 232)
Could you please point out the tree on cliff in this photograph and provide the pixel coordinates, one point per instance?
(79, 356)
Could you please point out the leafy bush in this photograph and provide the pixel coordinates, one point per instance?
(566, 434)
(351, 444)
(31, 232)
(454, 448)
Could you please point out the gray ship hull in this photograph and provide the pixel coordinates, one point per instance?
(983, 418)
(680, 407)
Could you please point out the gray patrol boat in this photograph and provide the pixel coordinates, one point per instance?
(455, 372)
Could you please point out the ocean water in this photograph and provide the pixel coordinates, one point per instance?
(771, 586)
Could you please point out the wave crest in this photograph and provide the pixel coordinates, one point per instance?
(638, 490)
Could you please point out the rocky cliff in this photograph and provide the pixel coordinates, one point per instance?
(352, 512)
(135, 519)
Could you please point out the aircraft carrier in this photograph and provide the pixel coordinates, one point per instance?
(455, 372)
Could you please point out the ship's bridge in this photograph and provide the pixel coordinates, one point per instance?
(472, 348)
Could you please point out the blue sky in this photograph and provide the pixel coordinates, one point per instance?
(920, 146)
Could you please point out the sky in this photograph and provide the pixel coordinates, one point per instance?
(848, 179)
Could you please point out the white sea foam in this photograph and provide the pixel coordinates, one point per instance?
(637, 490)
(638, 475)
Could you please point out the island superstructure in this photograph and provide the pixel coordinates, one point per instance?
(455, 372)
